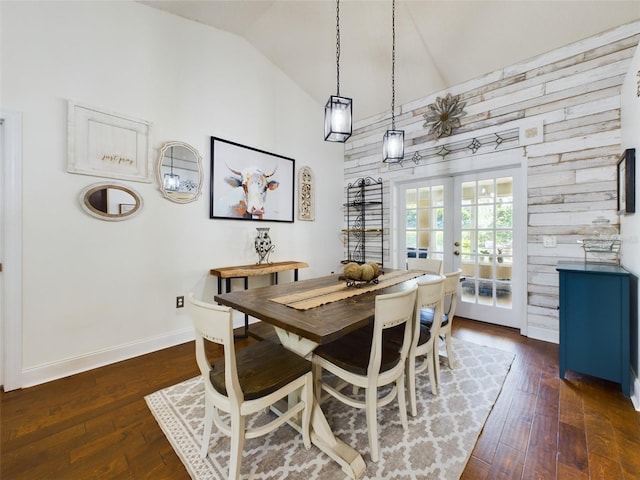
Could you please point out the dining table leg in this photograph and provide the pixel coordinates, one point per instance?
(348, 458)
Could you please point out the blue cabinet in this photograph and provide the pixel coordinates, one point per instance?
(594, 321)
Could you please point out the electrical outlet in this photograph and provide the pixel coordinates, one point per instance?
(179, 302)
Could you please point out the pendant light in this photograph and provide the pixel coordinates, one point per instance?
(171, 181)
(393, 142)
(338, 110)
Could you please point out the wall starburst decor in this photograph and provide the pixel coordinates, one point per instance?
(444, 115)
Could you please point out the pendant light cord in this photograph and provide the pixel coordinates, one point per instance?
(338, 47)
(393, 66)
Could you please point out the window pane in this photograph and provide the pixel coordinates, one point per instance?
(504, 215)
(410, 201)
(468, 218)
(468, 242)
(468, 193)
(410, 239)
(505, 189)
(423, 218)
(486, 193)
(411, 218)
(439, 220)
(439, 241)
(438, 196)
(423, 197)
(423, 239)
(485, 216)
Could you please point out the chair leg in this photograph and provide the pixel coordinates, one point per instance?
(207, 428)
(436, 362)
(402, 402)
(307, 395)
(237, 445)
(450, 359)
(372, 422)
(430, 368)
(410, 371)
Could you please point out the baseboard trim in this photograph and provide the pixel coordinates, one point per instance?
(537, 333)
(52, 371)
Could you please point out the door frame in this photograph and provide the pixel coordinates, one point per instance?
(11, 255)
(515, 159)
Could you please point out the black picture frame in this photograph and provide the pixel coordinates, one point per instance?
(627, 182)
(267, 197)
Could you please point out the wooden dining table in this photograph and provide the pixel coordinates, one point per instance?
(302, 330)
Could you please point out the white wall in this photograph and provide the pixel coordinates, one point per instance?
(630, 224)
(96, 291)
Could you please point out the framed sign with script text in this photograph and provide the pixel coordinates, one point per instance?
(106, 144)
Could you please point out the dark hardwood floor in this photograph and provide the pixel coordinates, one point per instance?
(97, 425)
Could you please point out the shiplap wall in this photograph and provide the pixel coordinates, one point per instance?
(571, 174)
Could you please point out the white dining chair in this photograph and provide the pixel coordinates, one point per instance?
(247, 382)
(427, 265)
(360, 359)
(422, 350)
(450, 301)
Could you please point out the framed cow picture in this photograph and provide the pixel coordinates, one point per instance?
(250, 184)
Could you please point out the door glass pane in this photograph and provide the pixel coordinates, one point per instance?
(411, 218)
(410, 201)
(425, 221)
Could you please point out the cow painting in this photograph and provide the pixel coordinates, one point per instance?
(249, 195)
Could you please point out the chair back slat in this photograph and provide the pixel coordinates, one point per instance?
(429, 295)
(451, 283)
(215, 324)
(428, 265)
(392, 310)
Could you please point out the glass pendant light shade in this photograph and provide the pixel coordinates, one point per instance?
(171, 182)
(338, 110)
(393, 140)
(337, 119)
(393, 146)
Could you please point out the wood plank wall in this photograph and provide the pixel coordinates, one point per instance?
(571, 174)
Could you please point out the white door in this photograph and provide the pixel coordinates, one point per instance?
(472, 222)
(486, 244)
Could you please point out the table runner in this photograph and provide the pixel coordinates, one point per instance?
(320, 296)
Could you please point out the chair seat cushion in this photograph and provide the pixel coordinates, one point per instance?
(352, 352)
(263, 368)
(426, 317)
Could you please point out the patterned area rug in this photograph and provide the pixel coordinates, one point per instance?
(437, 444)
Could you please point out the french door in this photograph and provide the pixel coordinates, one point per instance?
(472, 222)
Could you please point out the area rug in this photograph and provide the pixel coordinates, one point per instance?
(437, 444)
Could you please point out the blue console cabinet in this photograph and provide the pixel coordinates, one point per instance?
(594, 321)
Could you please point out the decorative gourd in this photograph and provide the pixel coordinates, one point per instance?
(376, 269)
(367, 272)
(352, 271)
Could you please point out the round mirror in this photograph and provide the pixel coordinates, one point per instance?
(110, 201)
(180, 172)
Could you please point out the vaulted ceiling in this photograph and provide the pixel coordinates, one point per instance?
(438, 43)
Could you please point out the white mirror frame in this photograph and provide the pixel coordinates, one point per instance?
(86, 193)
(180, 197)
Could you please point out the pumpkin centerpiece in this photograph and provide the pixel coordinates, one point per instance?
(355, 274)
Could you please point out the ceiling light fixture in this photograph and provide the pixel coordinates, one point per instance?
(393, 142)
(338, 110)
